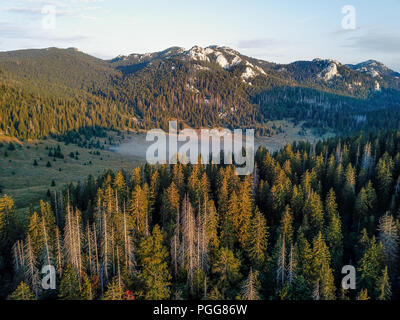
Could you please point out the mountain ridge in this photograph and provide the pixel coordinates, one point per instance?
(227, 58)
(376, 74)
(182, 49)
(212, 86)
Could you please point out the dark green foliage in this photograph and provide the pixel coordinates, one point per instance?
(23, 292)
(56, 152)
(186, 223)
(69, 287)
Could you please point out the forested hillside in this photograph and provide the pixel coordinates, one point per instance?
(53, 91)
(194, 231)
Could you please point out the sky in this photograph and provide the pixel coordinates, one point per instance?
(279, 31)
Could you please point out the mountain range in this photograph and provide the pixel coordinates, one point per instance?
(52, 91)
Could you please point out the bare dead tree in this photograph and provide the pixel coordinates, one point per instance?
(249, 290)
(291, 265)
(59, 253)
(31, 270)
(281, 268)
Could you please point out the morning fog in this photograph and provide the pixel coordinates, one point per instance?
(205, 146)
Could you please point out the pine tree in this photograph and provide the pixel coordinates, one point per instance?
(189, 245)
(211, 224)
(139, 211)
(6, 213)
(349, 187)
(114, 291)
(365, 205)
(367, 161)
(154, 269)
(169, 208)
(383, 286)
(258, 241)
(23, 292)
(120, 185)
(384, 178)
(136, 179)
(228, 230)
(86, 291)
(333, 231)
(313, 210)
(304, 254)
(35, 233)
(227, 270)
(280, 191)
(281, 267)
(69, 287)
(371, 264)
(286, 226)
(30, 263)
(389, 236)
(243, 221)
(323, 272)
(363, 295)
(292, 265)
(73, 238)
(283, 245)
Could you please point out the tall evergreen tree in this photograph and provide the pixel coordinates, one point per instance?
(154, 269)
(22, 292)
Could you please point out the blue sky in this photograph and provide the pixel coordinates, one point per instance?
(279, 31)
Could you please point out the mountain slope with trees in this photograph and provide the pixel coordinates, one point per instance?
(53, 91)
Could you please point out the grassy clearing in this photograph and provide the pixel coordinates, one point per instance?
(290, 133)
(27, 183)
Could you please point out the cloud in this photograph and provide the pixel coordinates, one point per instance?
(257, 43)
(14, 32)
(309, 19)
(75, 9)
(23, 10)
(375, 41)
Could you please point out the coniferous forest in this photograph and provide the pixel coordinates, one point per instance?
(203, 232)
(112, 194)
(191, 232)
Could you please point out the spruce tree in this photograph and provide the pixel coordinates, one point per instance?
(69, 287)
(371, 264)
(333, 231)
(86, 290)
(226, 268)
(383, 287)
(22, 292)
(258, 241)
(114, 291)
(154, 269)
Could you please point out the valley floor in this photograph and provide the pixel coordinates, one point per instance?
(27, 183)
